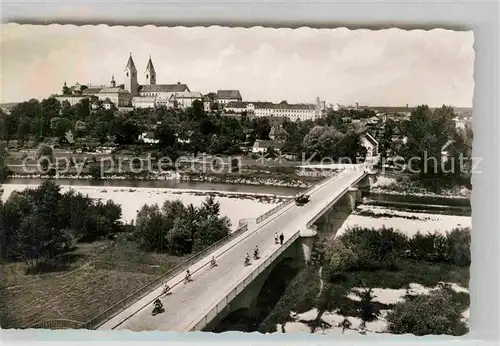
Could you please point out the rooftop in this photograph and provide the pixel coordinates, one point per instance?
(229, 94)
(270, 105)
(172, 88)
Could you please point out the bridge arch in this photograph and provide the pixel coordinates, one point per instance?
(251, 306)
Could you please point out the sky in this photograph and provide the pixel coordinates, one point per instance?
(390, 67)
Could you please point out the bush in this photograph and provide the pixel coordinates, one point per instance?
(341, 259)
(427, 314)
(459, 242)
(57, 221)
(181, 229)
(383, 245)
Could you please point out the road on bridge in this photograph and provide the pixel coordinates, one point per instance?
(188, 302)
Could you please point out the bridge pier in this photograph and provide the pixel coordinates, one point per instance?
(307, 238)
(369, 180)
(247, 299)
(354, 197)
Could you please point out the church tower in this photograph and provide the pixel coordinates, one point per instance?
(131, 77)
(150, 73)
(113, 83)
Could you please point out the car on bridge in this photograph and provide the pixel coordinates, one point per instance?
(301, 199)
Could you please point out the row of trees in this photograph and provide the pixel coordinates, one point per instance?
(422, 139)
(370, 249)
(193, 130)
(37, 225)
(205, 131)
(326, 141)
(180, 229)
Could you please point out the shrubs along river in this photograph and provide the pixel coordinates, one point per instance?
(370, 280)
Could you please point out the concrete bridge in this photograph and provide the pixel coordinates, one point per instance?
(216, 292)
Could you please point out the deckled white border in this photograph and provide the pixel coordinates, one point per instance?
(482, 17)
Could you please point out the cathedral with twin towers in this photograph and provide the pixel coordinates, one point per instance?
(153, 95)
(131, 93)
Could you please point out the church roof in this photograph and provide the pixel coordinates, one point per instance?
(91, 90)
(228, 94)
(168, 88)
(113, 90)
(189, 94)
(130, 63)
(150, 66)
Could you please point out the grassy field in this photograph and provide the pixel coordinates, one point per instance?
(100, 275)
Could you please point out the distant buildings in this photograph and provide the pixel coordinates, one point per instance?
(117, 95)
(370, 143)
(262, 147)
(223, 97)
(149, 95)
(283, 109)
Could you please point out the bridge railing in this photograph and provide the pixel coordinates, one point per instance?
(274, 210)
(123, 304)
(57, 324)
(329, 204)
(209, 314)
(146, 289)
(288, 202)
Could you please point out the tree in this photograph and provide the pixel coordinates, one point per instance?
(367, 310)
(385, 137)
(210, 208)
(323, 141)
(51, 108)
(4, 169)
(207, 127)
(41, 236)
(126, 131)
(210, 231)
(165, 136)
(67, 111)
(341, 260)
(431, 314)
(150, 229)
(262, 128)
(37, 225)
(427, 132)
(60, 126)
(82, 109)
(180, 240)
(23, 130)
(10, 123)
(100, 131)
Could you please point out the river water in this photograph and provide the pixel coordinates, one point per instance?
(168, 184)
(236, 201)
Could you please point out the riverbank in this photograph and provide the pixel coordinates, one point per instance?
(286, 176)
(313, 303)
(212, 179)
(405, 186)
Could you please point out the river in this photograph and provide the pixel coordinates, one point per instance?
(236, 201)
(168, 184)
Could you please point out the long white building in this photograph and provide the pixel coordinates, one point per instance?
(300, 111)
